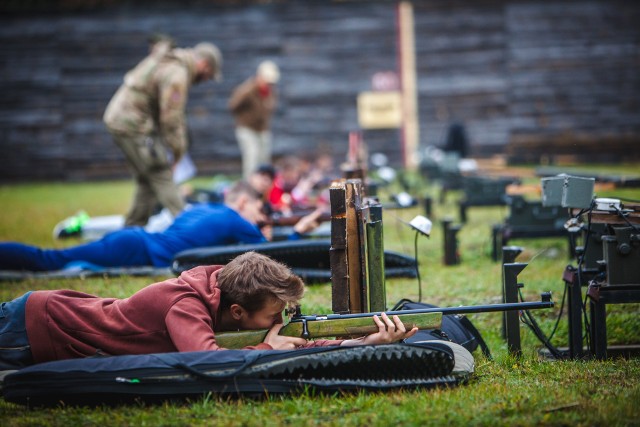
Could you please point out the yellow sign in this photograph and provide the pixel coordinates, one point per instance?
(379, 110)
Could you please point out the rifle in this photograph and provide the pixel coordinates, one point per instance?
(277, 219)
(360, 324)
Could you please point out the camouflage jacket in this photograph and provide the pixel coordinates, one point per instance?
(250, 108)
(153, 97)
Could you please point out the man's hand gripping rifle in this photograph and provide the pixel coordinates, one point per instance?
(360, 324)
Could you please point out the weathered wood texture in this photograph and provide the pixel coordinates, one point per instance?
(518, 74)
(338, 250)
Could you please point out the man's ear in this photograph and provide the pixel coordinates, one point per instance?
(241, 202)
(237, 311)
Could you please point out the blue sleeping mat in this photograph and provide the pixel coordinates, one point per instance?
(171, 376)
(81, 271)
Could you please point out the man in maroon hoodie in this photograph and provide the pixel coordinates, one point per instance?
(180, 314)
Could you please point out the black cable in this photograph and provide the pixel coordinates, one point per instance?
(623, 216)
(555, 327)
(529, 320)
(417, 268)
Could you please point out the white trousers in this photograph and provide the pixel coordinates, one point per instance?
(255, 148)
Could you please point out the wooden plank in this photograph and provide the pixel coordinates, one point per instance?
(354, 249)
(338, 250)
(375, 259)
(411, 125)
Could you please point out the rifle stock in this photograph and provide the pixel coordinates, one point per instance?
(312, 327)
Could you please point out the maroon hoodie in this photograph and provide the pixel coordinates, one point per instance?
(175, 315)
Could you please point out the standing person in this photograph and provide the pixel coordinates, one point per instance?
(146, 118)
(179, 314)
(252, 104)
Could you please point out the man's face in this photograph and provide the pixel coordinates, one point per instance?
(260, 182)
(264, 318)
(204, 72)
(251, 210)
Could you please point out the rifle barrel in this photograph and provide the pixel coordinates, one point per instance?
(447, 310)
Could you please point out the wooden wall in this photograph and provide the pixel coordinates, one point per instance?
(519, 75)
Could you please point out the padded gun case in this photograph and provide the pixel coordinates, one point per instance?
(171, 376)
(308, 259)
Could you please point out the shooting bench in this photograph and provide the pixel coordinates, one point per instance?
(483, 191)
(609, 266)
(530, 219)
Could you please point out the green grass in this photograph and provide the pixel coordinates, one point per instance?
(504, 391)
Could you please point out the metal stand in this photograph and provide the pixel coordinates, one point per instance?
(451, 255)
(600, 296)
(621, 252)
(509, 255)
(574, 299)
(512, 325)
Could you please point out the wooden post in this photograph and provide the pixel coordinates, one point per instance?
(410, 126)
(356, 248)
(338, 250)
(375, 259)
(356, 165)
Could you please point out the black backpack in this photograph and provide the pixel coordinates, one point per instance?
(455, 328)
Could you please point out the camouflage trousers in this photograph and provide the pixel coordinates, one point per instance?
(150, 165)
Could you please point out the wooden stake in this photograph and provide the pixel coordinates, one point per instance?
(410, 127)
(338, 250)
(355, 251)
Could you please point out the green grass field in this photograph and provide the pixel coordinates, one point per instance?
(529, 390)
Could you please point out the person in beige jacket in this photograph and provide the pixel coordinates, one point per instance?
(146, 118)
(252, 104)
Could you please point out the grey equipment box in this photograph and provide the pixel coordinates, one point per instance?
(567, 191)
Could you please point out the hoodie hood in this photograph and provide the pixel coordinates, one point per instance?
(204, 281)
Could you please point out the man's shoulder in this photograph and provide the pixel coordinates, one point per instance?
(172, 69)
(212, 212)
(200, 208)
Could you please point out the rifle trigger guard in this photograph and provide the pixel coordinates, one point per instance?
(305, 330)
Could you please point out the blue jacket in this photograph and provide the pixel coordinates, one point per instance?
(207, 224)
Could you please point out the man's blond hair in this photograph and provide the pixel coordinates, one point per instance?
(251, 279)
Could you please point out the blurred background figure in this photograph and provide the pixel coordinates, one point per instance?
(299, 185)
(252, 104)
(457, 140)
(146, 118)
(93, 228)
(262, 181)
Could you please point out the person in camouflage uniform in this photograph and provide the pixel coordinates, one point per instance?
(146, 118)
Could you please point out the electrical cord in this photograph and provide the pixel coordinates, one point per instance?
(528, 319)
(624, 216)
(555, 327)
(415, 249)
